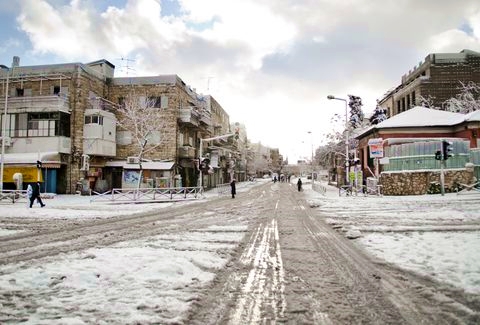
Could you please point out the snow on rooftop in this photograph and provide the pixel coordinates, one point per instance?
(421, 116)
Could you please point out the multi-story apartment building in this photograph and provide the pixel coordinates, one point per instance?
(438, 78)
(62, 129)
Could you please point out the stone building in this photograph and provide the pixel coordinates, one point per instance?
(62, 129)
(45, 121)
(437, 78)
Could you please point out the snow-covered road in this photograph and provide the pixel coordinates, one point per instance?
(266, 256)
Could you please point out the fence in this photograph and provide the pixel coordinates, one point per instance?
(148, 194)
(13, 195)
(224, 189)
(318, 187)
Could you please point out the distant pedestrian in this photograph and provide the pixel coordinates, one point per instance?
(35, 194)
(233, 188)
(299, 184)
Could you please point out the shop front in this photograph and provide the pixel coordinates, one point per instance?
(20, 169)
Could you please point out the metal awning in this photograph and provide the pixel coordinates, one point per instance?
(151, 165)
(48, 159)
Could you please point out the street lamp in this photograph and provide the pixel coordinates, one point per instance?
(311, 161)
(4, 126)
(346, 135)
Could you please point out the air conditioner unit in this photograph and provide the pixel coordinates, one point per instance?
(133, 160)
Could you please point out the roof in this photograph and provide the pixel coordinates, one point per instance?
(472, 116)
(420, 117)
(32, 157)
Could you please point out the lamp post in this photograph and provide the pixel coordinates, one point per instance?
(346, 135)
(4, 128)
(311, 161)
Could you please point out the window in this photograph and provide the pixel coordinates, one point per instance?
(94, 119)
(56, 90)
(121, 101)
(158, 101)
(155, 101)
(39, 124)
(19, 92)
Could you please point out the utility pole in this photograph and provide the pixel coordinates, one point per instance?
(15, 63)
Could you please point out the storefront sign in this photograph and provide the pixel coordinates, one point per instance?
(29, 174)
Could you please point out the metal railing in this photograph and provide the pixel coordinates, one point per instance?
(317, 187)
(223, 189)
(13, 195)
(148, 194)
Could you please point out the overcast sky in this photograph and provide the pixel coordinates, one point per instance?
(269, 63)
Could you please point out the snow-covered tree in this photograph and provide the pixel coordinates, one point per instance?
(468, 100)
(356, 113)
(427, 101)
(379, 115)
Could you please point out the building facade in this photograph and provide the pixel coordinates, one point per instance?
(62, 128)
(437, 79)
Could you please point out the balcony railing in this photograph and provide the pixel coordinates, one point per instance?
(186, 152)
(102, 104)
(188, 116)
(33, 103)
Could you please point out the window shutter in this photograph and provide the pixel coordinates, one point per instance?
(164, 102)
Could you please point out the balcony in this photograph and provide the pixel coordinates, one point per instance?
(188, 116)
(206, 118)
(186, 152)
(100, 103)
(51, 103)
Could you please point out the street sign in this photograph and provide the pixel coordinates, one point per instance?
(376, 148)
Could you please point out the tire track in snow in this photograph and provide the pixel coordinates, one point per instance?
(263, 288)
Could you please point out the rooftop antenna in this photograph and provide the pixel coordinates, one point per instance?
(126, 66)
(208, 82)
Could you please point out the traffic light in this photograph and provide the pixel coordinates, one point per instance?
(438, 155)
(205, 165)
(237, 133)
(447, 149)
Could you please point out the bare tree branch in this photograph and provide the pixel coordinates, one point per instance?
(141, 116)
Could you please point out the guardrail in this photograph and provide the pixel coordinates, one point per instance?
(223, 188)
(13, 195)
(317, 187)
(148, 194)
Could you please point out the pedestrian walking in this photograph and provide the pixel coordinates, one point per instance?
(35, 194)
(299, 184)
(233, 188)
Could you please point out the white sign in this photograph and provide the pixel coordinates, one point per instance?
(384, 161)
(376, 148)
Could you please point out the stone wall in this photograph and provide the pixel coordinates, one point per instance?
(419, 182)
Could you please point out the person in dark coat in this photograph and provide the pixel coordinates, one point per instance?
(233, 188)
(299, 184)
(36, 195)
